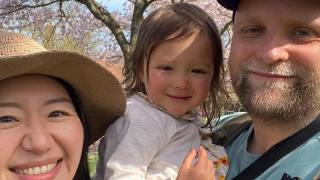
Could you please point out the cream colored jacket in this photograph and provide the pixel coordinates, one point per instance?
(145, 143)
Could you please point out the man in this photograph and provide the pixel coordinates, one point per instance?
(275, 70)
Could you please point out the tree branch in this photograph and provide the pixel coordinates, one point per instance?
(225, 27)
(151, 1)
(22, 6)
(16, 5)
(137, 18)
(105, 17)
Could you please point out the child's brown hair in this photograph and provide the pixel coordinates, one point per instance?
(176, 21)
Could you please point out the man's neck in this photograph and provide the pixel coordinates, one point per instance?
(266, 135)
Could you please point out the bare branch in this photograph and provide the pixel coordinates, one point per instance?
(176, 1)
(225, 27)
(229, 41)
(137, 17)
(114, 57)
(16, 5)
(151, 1)
(22, 6)
(105, 17)
(63, 15)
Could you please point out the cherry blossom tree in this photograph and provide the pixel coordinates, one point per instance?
(89, 26)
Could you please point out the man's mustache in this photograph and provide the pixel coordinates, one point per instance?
(287, 69)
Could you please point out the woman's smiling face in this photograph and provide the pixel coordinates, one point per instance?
(41, 134)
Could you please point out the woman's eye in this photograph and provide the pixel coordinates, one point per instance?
(7, 119)
(7, 122)
(58, 114)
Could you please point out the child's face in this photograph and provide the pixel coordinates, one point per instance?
(180, 73)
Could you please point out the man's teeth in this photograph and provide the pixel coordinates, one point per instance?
(37, 170)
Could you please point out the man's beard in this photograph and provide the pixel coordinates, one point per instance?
(279, 102)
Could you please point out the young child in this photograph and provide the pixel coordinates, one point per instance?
(173, 77)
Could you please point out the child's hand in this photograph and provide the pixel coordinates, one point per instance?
(203, 169)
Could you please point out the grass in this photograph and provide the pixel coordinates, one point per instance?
(92, 158)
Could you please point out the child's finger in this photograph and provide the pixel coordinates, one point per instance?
(211, 166)
(187, 162)
(203, 156)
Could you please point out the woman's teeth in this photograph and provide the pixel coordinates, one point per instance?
(37, 170)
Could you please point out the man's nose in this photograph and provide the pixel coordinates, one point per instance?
(273, 49)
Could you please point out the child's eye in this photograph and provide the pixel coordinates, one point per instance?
(198, 71)
(8, 122)
(165, 68)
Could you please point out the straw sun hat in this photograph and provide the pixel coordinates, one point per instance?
(100, 92)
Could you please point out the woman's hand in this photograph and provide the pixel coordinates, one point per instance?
(203, 169)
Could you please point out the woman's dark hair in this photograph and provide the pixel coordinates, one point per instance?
(174, 22)
(82, 172)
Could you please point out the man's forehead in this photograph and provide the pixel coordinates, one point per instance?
(233, 4)
(294, 9)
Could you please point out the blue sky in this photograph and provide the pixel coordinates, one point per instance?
(113, 4)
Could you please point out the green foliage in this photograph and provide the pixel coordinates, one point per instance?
(92, 158)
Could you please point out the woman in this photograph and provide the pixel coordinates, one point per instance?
(53, 104)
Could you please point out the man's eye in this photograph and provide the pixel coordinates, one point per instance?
(303, 34)
(252, 30)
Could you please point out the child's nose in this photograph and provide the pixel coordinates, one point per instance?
(181, 81)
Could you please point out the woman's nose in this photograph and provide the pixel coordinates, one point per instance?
(37, 139)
